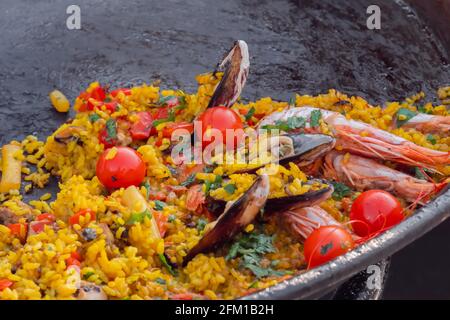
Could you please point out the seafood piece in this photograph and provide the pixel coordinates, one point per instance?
(69, 133)
(363, 139)
(428, 123)
(302, 222)
(366, 174)
(236, 64)
(90, 291)
(236, 216)
(301, 149)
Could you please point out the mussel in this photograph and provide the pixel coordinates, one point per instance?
(235, 217)
(299, 148)
(235, 65)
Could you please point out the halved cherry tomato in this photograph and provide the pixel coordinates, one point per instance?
(220, 118)
(326, 243)
(142, 128)
(76, 255)
(5, 283)
(373, 211)
(109, 106)
(98, 93)
(124, 169)
(18, 229)
(46, 216)
(106, 140)
(125, 91)
(170, 128)
(75, 219)
(159, 195)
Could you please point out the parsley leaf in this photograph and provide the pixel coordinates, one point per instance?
(111, 129)
(170, 118)
(159, 205)
(230, 188)
(431, 139)
(291, 124)
(190, 180)
(87, 275)
(171, 218)
(163, 260)
(213, 185)
(147, 187)
(250, 114)
(251, 248)
(316, 115)
(201, 224)
(139, 217)
(160, 281)
(403, 115)
(340, 190)
(94, 117)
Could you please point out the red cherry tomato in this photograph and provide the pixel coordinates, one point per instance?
(5, 283)
(170, 128)
(46, 217)
(109, 106)
(72, 262)
(326, 243)
(141, 129)
(18, 229)
(106, 140)
(75, 219)
(126, 168)
(373, 211)
(39, 226)
(125, 91)
(220, 118)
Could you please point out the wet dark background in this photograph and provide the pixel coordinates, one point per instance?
(295, 46)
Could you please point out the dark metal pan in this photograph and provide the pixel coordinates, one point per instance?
(296, 46)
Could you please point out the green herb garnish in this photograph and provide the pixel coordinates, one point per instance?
(431, 139)
(94, 117)
(316, 115)
(147, 188)
(139, 217)
(111, 130)
(213, 185)
(201, 224)
(159, 205)
(171, 218)
(163, 260)
(405, 114)
(190, 180)
(87, 275)
(419, 174)
(340, 190)
(160, 281)
(291, 124)
(170, 118)
(250, 249)
(230, 188)
(250, 114)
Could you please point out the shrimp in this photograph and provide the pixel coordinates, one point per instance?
(428, 123)
(363, 139)
(366, 174)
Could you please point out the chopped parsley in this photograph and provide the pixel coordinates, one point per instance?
(94, 117)
(87, 275)
(190, 180)
(403, 115)
(160, 281)
(164, 262)
(431, 139)
(170, 118)
(201, 224)
(146, 185)
(213, 185)
(230, 188)
(316, 115)
(111, 130)
(171, 218)
(340, 190)
(291, 124)
(139, 217)
(250, 249)
(250, 114)
(159, 205)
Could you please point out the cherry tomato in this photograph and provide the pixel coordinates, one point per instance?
(39, 226)
(326, 243)
(98, 93)
(220, 118)
(161, 221)
(170, 128)
(124, 169)
(109, 106)
(75, 219)
(106, 140)
(18, 229)
(125, 91)
(141, 129)
(5, 283)
(76, 255)
(373, 211)
(46, 216)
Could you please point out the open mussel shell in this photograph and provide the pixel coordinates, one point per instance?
(299, 148)
(236, 65)
(306, 199)
(235, 217)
